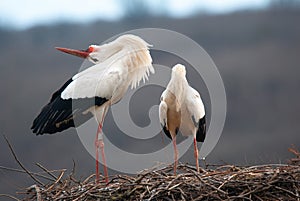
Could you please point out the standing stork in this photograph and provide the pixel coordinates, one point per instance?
(117, 65)
(181, 108)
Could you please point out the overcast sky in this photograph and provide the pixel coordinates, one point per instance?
(23, 14)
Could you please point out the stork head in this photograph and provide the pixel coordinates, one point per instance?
(86, 54)
(97, 54)
(179, 70)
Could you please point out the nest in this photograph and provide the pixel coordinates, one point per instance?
(214, 182)
(226, 182)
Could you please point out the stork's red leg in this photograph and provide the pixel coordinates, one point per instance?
(175, 154)
(100, 144)
(104, 162)
(97, 151)
(196, 154)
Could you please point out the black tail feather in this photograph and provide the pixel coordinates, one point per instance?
(201, 132)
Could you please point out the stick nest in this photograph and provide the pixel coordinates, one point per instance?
(226, 182)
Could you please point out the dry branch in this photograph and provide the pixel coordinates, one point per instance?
(19, 162)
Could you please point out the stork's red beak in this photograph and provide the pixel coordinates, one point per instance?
(78, 53)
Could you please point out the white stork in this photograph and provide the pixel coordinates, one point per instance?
(181, 108)
(118, 64)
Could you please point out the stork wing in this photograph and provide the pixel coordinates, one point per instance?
(163, 113)
(72, 102)
(93, 85)
(163, 108)
(196, 112)
(60, 114)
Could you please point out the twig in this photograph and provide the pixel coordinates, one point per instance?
(208, 184)
(73, 168)
(21, 165)
(57, 181)
(48, 172)
(37, 190)
(22, 171)
(9, 196)
(285, 190)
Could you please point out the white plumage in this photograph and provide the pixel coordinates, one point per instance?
(117, 65)
(181, 108)
(129, 64)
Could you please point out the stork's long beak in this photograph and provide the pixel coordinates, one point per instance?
(78, 53)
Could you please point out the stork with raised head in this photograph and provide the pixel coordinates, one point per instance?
(181, 108)
(117, 65)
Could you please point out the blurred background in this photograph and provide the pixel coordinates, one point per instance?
(255, 45)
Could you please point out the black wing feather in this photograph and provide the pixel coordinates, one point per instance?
(201, 132)
(167, 132)
(60, 114)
